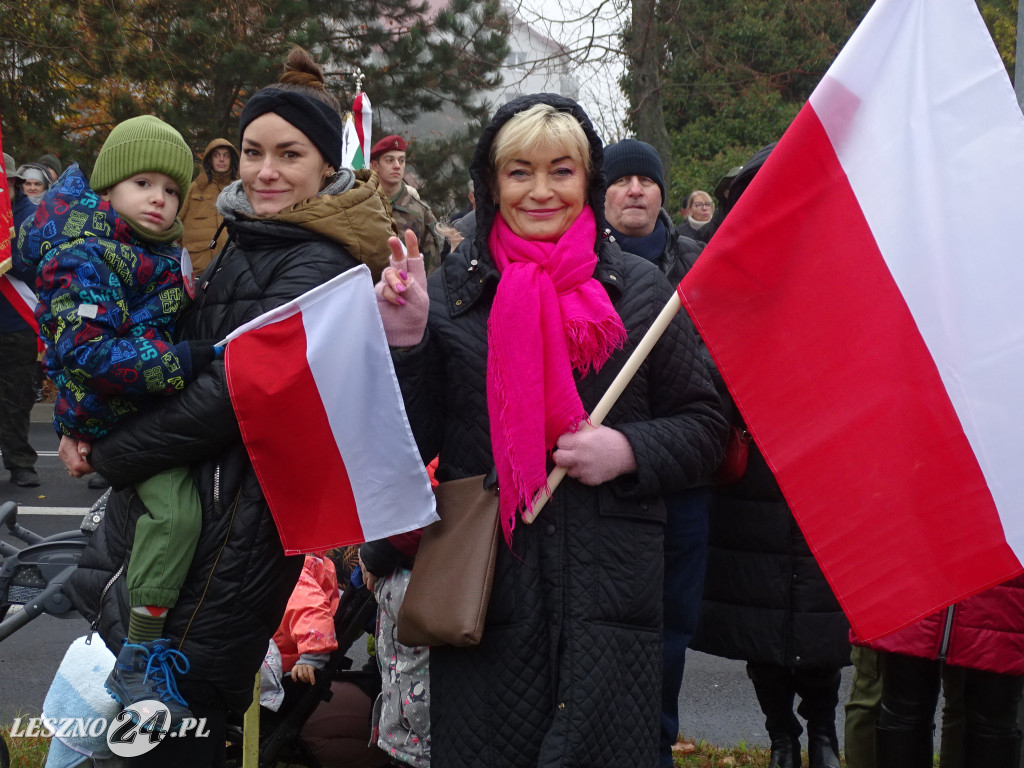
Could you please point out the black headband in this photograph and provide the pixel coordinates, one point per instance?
(320, 123)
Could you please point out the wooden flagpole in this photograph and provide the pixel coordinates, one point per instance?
(615, 389)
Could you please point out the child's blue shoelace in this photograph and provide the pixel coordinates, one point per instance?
(161, 668)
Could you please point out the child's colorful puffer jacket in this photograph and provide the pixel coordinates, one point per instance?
(108, 305)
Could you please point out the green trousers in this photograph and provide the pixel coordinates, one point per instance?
(165, 538)
(862, 708)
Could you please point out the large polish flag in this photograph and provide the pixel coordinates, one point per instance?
(864, 301)
(323, 420)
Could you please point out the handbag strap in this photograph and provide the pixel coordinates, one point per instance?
(491, 481)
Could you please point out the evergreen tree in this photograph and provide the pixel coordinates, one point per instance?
(734, 74)
(75, 69)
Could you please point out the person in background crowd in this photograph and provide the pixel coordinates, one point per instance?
(52, 164)
(767, 602)
(982, 636)
(524, 328)
(291, 215)
(205, 235)
(18, 350)
(722, 192)
(699, 210)
(33, 182)
(470, 206)
(639, 224)
(387, 158)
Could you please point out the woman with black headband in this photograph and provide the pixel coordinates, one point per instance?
(290, 218)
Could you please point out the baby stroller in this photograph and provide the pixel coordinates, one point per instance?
(280, 732)
(32, 576)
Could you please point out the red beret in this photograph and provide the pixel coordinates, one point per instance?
(390, 143)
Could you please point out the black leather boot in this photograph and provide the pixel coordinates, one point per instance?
(822, 747)
(905, 748)
(785, 753)
(818, 689)
(992, 751)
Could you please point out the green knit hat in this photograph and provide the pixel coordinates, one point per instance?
(142, 144)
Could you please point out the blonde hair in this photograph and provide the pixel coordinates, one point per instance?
(693, 196)
(539, 125)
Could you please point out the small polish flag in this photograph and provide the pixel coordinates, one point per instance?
(323, 419)
(863, 303)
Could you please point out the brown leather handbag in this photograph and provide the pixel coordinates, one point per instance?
(450, 586)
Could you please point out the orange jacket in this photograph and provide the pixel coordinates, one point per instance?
(308, 623)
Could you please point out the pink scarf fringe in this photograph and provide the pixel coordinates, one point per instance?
(550, 317)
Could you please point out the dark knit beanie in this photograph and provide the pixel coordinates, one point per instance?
(51, 162)
(140, 145)
(319, 122)
(630, 157)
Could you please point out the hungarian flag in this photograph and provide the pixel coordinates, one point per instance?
(356, 138)
(323, 420)
(863, 302)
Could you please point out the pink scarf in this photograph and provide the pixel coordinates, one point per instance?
(549, 318)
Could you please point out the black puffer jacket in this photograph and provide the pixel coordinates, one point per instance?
(239, 580)
(765, 598)
(569, 670)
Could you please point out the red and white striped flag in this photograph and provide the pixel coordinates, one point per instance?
(863, 302)
(323, 420)
(20, 295)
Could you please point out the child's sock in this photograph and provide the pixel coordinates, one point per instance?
(146, 623)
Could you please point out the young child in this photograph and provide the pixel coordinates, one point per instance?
(111, 283)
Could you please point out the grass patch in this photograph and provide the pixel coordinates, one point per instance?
(25, 751)
(700, 754)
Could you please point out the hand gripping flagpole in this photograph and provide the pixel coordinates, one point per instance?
(609, 398)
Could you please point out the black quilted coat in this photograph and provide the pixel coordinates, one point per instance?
(568, 673)
(240, 580)
(765, 598)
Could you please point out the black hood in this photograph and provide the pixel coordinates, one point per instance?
(746, 175)
(480, 172)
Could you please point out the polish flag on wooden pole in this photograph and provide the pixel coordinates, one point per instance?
(323, 420)
(863, 302)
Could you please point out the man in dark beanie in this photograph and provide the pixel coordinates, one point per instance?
(633, 208)
(639, 224)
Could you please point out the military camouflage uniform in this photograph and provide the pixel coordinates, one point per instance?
(412, 213)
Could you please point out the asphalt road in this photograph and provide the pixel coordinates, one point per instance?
(716, 703)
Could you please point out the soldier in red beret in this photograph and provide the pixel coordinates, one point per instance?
(387, 158)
